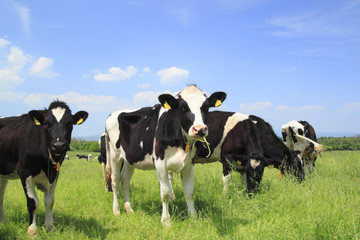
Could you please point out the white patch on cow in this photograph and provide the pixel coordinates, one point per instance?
(141, 145)
(41, 181)
(147, 129)
(254, 121)
(31, 193)
(195, 99)
(254, 163)
(230, 124)
(146, 164)
(176, 158)
(58, 113)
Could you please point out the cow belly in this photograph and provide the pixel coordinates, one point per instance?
(11, 176)
(146, 164)
(176, 159)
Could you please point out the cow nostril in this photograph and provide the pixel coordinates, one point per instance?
(59, 145)
(200, 131)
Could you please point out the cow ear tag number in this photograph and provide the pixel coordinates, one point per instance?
(166, 105)
(218, 103)
(80, 121)
(37, 122)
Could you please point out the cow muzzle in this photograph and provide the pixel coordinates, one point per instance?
(199, 130)
(59, 147)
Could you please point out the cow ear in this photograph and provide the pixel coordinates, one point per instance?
(216, 99)
(36, 117)
(80, 117)
(168, 101)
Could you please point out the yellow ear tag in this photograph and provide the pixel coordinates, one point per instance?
(80, 121)
(37, 122)
(103, 164)
(218, 103)
(166, 105)
(280, 175)
(58, 167)
(187, 148)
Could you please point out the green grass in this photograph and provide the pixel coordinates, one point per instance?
(325, 206)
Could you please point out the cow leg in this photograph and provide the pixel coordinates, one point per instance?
(170, 175)
(32, 203)
(115, 179)
(227, 174)
(3, 184)
(165, 190)
(49, 200)
(187, 179)
(126, 174)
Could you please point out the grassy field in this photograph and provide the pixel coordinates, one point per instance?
(325, 206)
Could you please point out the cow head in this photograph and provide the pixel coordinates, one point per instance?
(193, 107)
(293, 164)
(58, 124)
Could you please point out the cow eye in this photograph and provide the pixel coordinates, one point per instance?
(184, 108)
(47, 124)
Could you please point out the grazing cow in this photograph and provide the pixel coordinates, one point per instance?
(32, 148)
(246, 143)
(82, 156)
(102, 156)
(162, 137)
(301, 136)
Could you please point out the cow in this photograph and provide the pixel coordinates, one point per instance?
(32, 149)
(161, 136)
(82, 156)
(247, 144)
(102, 156)
(300, 136)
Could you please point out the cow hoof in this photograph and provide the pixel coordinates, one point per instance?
(50, 228)
(166, 222)
(32, 230)
(127, 208)
(116, 212)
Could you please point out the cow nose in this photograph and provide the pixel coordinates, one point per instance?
(200, 130)
(59, 146)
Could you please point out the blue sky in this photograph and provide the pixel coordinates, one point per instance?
(281, 60)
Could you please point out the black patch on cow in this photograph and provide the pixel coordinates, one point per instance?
(135, 128)
(300, 131)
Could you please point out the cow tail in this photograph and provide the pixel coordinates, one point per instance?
(318, 147)
(107, 179)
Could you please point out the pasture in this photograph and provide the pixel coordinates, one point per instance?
(325, 206)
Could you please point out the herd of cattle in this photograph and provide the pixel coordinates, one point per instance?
(169, 137)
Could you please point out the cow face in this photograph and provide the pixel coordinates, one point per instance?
(58, 124)
(294, 164)
(192, 105)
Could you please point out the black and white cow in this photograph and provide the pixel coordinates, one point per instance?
(80, 156)
(300, 136)
(32, 148)
(162, 137)
(246, 143)
(102, 156)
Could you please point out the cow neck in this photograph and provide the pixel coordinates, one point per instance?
(53, 162)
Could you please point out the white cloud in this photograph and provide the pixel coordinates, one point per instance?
(144, 85)
(148, 98)
(91, 102)
(146, 70)
(42, 68)
(17, 59)
(24, 14)
(116, 74)
(312, 108)
(4, 42)
(172, 76)
(281, 107)
(9, 79)
(255, 106)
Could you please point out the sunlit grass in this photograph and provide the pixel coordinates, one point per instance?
(325, 206)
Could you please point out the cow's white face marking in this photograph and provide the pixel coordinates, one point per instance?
(195, 99)
(141, 145)
(58, 113)
(254, 163)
